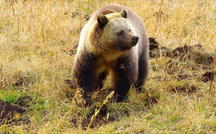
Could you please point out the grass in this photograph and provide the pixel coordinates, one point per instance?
(37, 40)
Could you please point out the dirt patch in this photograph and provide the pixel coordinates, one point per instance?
(156, 50)
(13, 113)
(184, 62)
(153, 44)
(195, 53)
(185, 88)
(208, 76)
(10, 113)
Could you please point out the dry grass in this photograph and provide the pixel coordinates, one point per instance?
(37, 40)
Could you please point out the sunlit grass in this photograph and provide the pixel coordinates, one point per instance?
(37, 40)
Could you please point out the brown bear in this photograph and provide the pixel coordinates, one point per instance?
(114, 42)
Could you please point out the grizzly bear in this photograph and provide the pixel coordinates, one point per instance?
(114, 42)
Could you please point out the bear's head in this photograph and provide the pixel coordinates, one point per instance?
(117, 33)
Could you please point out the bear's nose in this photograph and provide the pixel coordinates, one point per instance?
(135, 39)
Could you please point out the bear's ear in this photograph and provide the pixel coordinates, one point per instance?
(102, 20)
(124, 13)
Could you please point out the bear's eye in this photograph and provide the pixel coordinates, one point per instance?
(129, 30)
(120, 32)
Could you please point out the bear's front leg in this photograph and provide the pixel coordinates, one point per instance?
(84, 76)
(125, 74)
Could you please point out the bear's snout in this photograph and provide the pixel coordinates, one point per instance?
(134, 40)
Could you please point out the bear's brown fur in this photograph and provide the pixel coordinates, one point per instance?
(113, 42)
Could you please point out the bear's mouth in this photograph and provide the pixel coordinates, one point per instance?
(124, 47)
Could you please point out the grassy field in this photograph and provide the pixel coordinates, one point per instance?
(37, 45)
